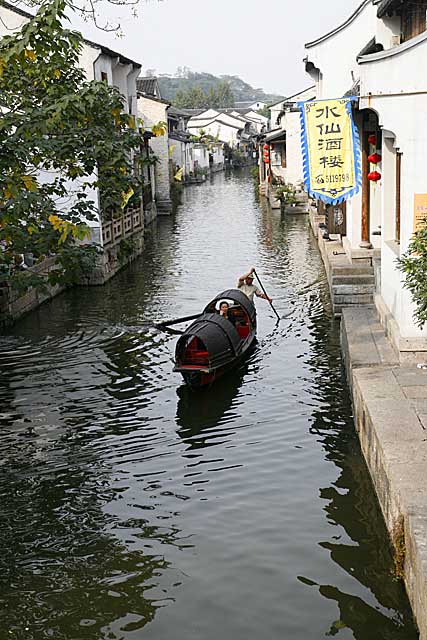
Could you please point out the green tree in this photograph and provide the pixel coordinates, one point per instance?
(180, 99)
(194, 98)
(212, 98)
(413, 265)
(220, 96)
(265, 111)
(225, 97)
(61, 136)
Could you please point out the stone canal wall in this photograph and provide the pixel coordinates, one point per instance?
(390, 412)
(389, 396)
(123, 241)
(14, 305)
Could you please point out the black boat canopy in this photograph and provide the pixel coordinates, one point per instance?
(218, 335)
(236, 296)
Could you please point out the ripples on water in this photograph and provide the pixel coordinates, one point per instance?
(243, 512)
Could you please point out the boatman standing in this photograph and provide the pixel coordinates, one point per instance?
(246, 286)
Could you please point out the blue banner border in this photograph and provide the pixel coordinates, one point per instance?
(356, 153)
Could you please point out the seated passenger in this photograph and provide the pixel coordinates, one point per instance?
(223, 311)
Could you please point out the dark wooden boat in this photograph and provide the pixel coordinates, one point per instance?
(212, 345)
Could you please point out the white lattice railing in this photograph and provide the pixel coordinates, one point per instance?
(128, 223)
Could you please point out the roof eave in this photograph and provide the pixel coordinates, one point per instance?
(342, 26)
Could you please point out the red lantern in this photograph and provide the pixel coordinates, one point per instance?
(372, 139)
(266, 147)
(374, 176)
(374, 158)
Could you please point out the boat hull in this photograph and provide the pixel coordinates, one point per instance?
(213, 344)
(197, 378)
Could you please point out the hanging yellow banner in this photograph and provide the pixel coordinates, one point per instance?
(331, 150)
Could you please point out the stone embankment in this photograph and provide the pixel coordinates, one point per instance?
(390, 411)
(389, 394)
(14, 304)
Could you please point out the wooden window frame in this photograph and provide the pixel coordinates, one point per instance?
(283, 159)
(398, 195)
(414, 19)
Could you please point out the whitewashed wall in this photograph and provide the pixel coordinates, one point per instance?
(152, 112)
(335, 55)
(218, 155)
(182, 154)
(10, 21)
(223, 132)
(393, 84)
(201, 156)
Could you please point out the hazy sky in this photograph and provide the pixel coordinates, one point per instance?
(262, 41)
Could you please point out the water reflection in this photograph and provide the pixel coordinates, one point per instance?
(130, 502)
(199, 413)
(67, 569)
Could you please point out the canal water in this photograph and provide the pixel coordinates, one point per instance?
(131, 507)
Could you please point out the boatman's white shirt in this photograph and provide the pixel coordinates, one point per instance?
(249, 290)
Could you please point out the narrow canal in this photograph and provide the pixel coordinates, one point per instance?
(132, 508)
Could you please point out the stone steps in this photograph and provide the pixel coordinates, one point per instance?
(352, 289)
(353, 299)
(352, 270)
(353, 280)
(164, 207)
(352, 286)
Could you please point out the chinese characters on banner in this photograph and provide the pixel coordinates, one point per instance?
(331, 150)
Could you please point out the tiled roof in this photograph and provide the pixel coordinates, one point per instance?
(181, 136)
(148, 86)
(183, 113)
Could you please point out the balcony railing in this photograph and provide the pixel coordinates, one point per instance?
(122, 227)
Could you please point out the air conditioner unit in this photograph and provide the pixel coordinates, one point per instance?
(395, 40)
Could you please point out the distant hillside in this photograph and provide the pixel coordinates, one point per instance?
(186, 80)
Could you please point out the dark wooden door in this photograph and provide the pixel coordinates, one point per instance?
(337, 218)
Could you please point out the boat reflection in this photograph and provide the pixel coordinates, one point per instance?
(199, 413)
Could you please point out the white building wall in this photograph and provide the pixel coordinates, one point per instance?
(290, 122)
(201, 156)
(223, 132)
(10, 21)
(152, 112)
(218, 155)
(335, 55)
(393, 84)
(274, 114)
(258, 105)
(294, 167)
(181, 154)
(93, 64)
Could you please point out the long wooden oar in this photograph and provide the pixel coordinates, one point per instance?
(168, 323)
(266, 294)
